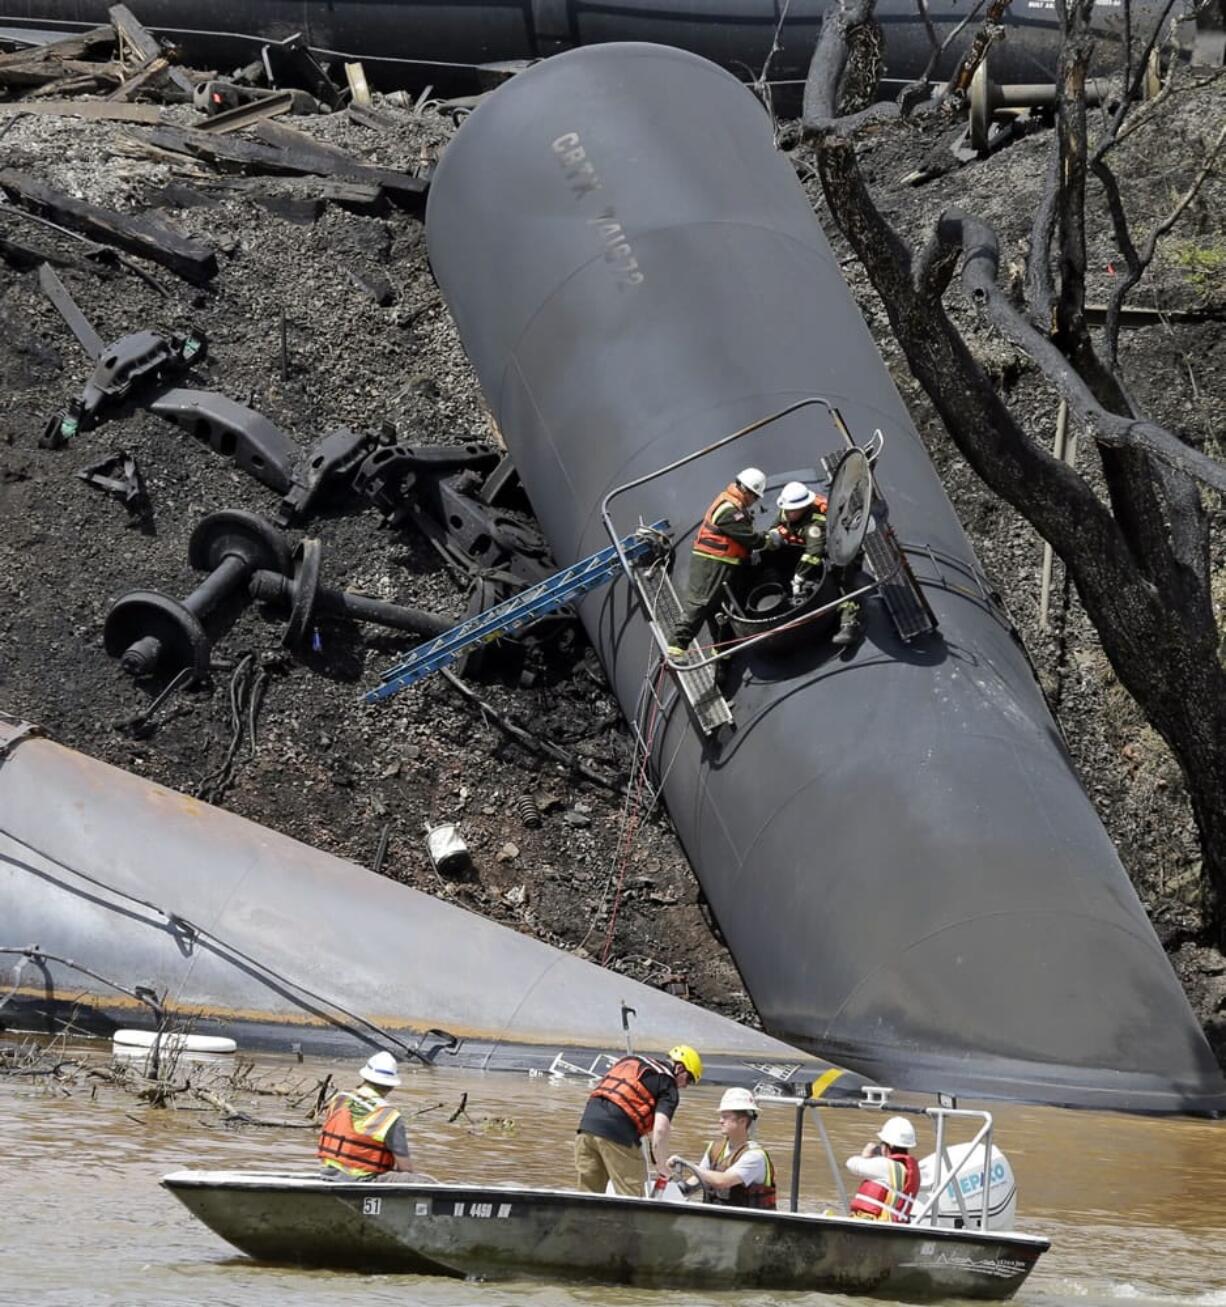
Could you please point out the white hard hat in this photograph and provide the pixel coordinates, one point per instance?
(795, 495)
(753, 479)
(381, 1070)
(898, 1132)
(738, 1100)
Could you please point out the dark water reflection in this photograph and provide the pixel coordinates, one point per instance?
(1135, 1208)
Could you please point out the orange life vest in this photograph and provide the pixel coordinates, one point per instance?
(710, 540)
(623, 1086)
(760, 1194)
(893, 1201)
(793, 533)
(353, 1134)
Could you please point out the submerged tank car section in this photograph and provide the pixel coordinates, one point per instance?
(893, 841)
(236, 930)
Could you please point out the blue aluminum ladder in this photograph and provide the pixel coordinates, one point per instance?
(516, 613)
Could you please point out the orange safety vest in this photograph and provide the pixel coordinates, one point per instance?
(353, 1133)
(711, 541)
(893, 1201)
(623, 1086)
(760, 1194)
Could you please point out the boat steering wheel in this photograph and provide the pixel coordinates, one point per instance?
(699, 1183)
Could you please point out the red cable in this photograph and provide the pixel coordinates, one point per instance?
(630, 829)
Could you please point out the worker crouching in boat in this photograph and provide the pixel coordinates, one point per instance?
(363, 1137)
(634, 1101)
(891, 1174)
(736, 1170)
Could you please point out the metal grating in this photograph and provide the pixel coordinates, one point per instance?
(904, 600)
(710, 708)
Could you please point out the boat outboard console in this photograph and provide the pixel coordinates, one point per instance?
(960, 1205)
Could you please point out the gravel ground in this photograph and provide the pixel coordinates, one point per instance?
(336, 774)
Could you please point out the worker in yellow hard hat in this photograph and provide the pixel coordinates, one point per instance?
(635, 1100)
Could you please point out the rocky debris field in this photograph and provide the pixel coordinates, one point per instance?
(348, 778)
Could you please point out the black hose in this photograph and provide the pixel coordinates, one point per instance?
(34, 954)
(183, 924)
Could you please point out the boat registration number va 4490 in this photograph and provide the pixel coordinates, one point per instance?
(373, 1206)
(484, 1211)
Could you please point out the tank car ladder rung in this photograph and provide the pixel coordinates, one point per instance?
(515, 614)
(904, 600)
(710, 708)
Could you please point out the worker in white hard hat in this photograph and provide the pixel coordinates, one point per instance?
(726, 540)
(735, 1170)
(363, 1138)
(890, 1173)
(800, 530)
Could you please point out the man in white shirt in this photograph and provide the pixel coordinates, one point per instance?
(890, 1173)
(736, 1170)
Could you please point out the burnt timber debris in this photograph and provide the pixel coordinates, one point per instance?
(278, 152)
(136, 72)
(143, 234)
(142, 54)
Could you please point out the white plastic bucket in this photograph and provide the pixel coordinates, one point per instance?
(447, 850)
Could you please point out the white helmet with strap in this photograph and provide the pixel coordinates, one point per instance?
(795, 495)
(752, 479)
(898, 1132)
(738, 1100)
(381, 1070)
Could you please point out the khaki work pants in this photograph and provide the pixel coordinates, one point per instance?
(598, 1161)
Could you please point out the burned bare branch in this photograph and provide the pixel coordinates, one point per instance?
(820, 115)
(989, 32)
(1132, 261)
(1040, 288)
(980, 265)
(1138, 261)
(936, 267)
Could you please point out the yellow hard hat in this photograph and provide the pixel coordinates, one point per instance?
(689, 1059)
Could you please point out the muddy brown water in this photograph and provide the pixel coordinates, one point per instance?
(1135, 1208)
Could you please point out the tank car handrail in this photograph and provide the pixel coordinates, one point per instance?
(606, 517)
